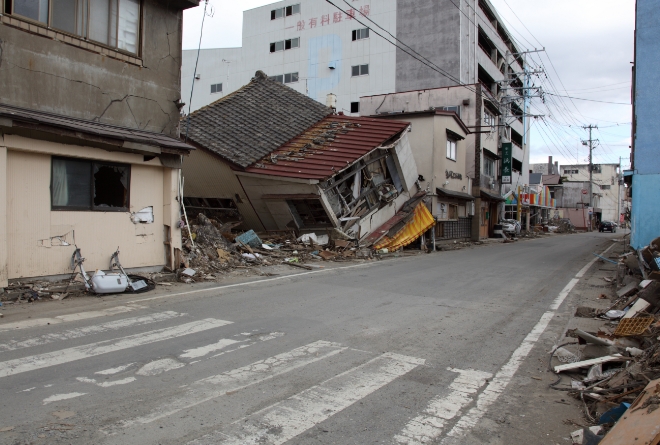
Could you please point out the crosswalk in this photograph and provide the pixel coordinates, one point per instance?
(119, 368)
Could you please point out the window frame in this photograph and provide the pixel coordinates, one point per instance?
(489, 162)
(8, 9)
(452, 144)
(290, 42)
(358, 107)
(357, 34)
(92, 207)
(360, 68)
(216, 85)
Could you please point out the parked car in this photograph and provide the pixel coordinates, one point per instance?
(510, 226)
(607, 226)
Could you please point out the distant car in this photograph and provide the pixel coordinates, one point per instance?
(510, 226)
(607, 226)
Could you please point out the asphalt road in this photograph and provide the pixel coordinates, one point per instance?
(403, 351)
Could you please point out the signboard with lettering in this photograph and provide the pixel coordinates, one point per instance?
(335, 17)
(507, 155)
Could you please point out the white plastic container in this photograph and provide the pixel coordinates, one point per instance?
(111, 283)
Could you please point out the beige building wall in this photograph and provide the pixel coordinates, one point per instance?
(31, 223)
(208, 176)
(3, 215)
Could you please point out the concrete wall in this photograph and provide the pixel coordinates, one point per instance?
(431, 28)
(30, 223)
(646, 164)
(208, 176)
(608, 198)
(51, 71)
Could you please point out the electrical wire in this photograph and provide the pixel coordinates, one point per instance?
(192, 88)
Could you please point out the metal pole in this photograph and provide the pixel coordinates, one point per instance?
(618, 194)
(591, 169)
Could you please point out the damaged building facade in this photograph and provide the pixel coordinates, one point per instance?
(89, 122)
(439, 147)
(288, 163)
(482, 114)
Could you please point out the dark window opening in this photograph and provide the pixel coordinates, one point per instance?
(486, 80)
(216, 88)
(517, 112)
(487, 45)
(309, 213)
(87, 185)
(516, 165)
(516, 138)
(355, 107)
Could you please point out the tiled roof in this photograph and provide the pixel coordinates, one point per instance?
(253, 121)
(89, 130)
(328, 147)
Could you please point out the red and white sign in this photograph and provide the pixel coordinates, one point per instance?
(585, 191)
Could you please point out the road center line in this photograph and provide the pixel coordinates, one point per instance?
(31, 363)
(499, 383)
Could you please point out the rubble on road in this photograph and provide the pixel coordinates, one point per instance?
(615, 372)
(212, 249)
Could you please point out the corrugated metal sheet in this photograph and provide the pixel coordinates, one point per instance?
(328, 147)
(420, 223)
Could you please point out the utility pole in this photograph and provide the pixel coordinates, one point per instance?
(618, 193)
(590, 143)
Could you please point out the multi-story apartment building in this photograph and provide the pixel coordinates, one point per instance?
(608, 187)
(645, 169)
(350, 50)
(90, 153)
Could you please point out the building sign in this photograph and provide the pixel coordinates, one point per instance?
(336, 17)
(453, 175)
(507, 155)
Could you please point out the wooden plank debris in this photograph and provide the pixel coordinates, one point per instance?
(588, 363)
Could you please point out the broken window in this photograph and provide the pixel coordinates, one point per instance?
(309, 213)
(115, 23)
(88, 185)
(355, 107)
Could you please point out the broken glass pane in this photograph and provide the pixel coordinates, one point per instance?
(111, 186)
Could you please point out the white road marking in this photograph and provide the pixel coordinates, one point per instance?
(116, 370)
(205, 350)
(70, 317)
(506, 373)
(29, 389)
(90, 330)
(287, 419)
(125, 381)
(159, 366)
(215, 386)
(17, 366)
(428, 426)
(229, 286)
(58, 397)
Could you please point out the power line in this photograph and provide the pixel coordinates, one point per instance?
(590, 100)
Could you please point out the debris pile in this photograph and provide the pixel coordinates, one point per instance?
(28, 292)
(211, 249)
(615, 372)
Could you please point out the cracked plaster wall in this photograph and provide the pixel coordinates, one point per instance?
(37, 72)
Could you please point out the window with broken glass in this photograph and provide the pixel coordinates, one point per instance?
(368, 185)
(115, 23)
(78, 184)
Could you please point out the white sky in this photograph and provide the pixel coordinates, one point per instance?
(589, 42)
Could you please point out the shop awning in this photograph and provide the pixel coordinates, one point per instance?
(492, 196)
(454, 194)
(421, 222)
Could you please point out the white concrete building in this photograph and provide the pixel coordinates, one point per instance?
(608, 188)
(319, 49)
